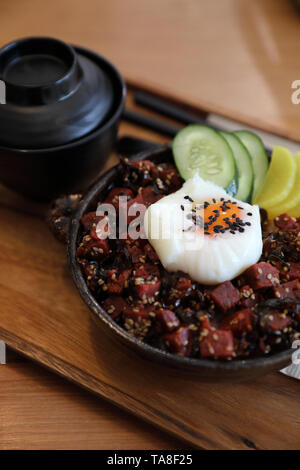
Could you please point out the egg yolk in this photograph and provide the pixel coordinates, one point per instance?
(218, 217)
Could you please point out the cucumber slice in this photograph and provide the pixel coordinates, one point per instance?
(259, 157)
(198, 148)
(244, 166)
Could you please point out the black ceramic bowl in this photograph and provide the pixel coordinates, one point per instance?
(202, 369)
(46, 172)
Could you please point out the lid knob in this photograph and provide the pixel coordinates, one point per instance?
(38, 71)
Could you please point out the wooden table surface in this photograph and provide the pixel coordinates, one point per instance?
(234, 57)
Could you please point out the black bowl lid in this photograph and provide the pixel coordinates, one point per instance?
(54, 95)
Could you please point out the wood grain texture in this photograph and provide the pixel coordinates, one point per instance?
(41, 411)
(43, 317)
(234, 57)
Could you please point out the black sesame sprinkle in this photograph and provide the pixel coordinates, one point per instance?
(188, 198)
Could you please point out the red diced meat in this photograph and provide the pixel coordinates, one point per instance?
(147, 171)
(114, 305)
(149, 196)
(115, 194)
(217, 344)
(179, 341)
(171, 178)
(262, 275)
(225, 296)
(147, 291)
(144, 165)
(285, 222)
(117, 283)
(147, 282)
(134, 209)
(239, 322)
(94, 248)
(205, 326)
(100, 230)
(294, 271)
(150, 253)
(275, 321)
(287, 289)
(136, 253)
(130, 241)
(138, 319)
(167, 320)
(89, 219)
(138, 311)
(183, 284)
(248, 297)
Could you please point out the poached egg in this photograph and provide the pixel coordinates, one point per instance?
(203, 232)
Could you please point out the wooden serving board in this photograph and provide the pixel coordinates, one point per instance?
(43, 317)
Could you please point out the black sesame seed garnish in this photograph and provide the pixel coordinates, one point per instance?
(182, 207)
(188, 198)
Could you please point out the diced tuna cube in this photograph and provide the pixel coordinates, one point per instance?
(294, 271)
(183, 284)
(239, 323)
(146, 172)
(179, 341)
(138, 319)
(171, 178)
(275, 321)
(248, 297)
(147, 291)
(150, 253)
(93, 248)
(116, 283)
(100, 230)
(88, 220)
(144, 165)
(217, 344)
(225, 296)
(136, 253)
(137, 311)
(167, 320)
(287, 289)
(149, 196)
(147, 282)
(114, 305)
(115, 194)
(285, 222)
(135, 208)
(262, 275)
